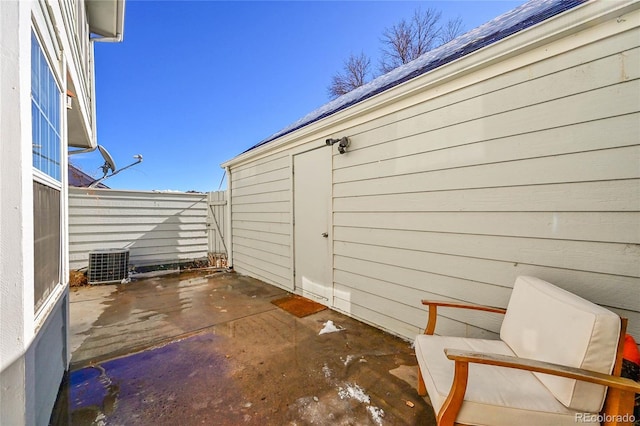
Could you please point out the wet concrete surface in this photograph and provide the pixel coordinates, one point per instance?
(211, 349)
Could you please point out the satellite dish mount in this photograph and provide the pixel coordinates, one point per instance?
(109, 164)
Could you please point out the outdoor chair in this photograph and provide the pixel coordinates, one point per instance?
(557, 359)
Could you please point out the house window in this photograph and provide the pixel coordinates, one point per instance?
(45, 114)
(46, 243)
(46, 100)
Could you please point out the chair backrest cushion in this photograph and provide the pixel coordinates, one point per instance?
(547, 323)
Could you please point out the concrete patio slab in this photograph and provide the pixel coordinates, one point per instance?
(198, 348)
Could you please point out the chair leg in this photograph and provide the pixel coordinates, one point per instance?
(618, 408)
(422, 389)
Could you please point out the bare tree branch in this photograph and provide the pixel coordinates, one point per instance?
(355, 72)
(396, 46)
(407, 40)
(452, 29)
(401, 43)
(425, 31)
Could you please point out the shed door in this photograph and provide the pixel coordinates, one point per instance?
(312, 224)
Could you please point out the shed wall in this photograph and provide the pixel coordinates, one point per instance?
(261, 219)
(528, 166)
(157, 228)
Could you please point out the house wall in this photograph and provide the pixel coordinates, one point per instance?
(16, 211)
(522, 158)
(156, 227)
(33, 346)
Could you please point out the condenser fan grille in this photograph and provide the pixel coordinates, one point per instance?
(108, 266)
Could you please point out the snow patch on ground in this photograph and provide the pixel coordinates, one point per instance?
(376, 414)
(348, 360)
(330, 327)
(326, 370)
(353, 392)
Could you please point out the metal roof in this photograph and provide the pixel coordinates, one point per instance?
(514, 21)
(80, 179)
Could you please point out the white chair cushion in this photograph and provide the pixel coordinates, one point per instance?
(495, 395)
(547, 323)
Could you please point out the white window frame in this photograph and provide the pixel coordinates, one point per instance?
(41, 311)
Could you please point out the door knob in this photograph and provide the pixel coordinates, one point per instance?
(324, 234)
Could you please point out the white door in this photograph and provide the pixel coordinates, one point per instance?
(313, 266)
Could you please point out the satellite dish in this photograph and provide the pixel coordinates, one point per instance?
(108, 161)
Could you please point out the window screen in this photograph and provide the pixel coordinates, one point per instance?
(46, 233)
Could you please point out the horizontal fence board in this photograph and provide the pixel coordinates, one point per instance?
(118, 219)
(116, 198)
(144, 212)
(137, 228)
(157, 228)
(117, 236)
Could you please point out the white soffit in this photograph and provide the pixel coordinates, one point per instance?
(106, 18)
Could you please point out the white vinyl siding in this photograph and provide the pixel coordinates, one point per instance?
(261, 220)
(157, 228)
(535, 171)
(527, 165)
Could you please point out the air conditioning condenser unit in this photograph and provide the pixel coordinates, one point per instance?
(108, 266)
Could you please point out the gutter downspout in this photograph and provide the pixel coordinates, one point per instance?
(229, 230)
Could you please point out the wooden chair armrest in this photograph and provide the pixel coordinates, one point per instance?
(621, 383)
(433, 310)
(627, 388)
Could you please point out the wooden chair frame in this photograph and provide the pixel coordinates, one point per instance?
(620, 394)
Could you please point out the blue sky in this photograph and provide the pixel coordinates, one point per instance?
(195, 83)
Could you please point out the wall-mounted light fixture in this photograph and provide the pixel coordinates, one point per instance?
(343, 143)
